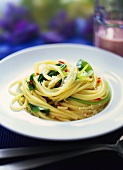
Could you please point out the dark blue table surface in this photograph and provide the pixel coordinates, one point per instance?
(99, 160)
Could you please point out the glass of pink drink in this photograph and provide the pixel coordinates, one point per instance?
(108, 25)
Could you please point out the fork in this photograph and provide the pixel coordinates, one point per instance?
(55, 154)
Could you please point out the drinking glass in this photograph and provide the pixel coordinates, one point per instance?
(108, 25)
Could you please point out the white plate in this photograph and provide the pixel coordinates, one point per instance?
(105, 63)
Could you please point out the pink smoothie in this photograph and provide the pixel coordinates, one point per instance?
(110, 39)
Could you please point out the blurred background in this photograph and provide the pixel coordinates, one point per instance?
(27, 23)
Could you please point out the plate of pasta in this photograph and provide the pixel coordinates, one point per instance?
(62, 92)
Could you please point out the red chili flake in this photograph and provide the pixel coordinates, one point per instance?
(98, 99)
(66, 70)
(57, 84)
(90, 76)
(62, 62)
(31, 83)
(98, 80)
(37, 74)
(59, 104)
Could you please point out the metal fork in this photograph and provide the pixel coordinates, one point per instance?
(54, 154)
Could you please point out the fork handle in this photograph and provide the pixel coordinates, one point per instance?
(45, 160)
(28, 151)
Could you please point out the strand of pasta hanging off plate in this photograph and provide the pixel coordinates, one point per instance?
(58, 90)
